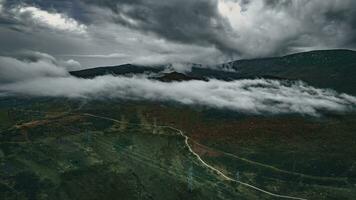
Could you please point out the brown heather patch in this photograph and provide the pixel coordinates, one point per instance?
(203, 151)
(32, 124)
(250, 131)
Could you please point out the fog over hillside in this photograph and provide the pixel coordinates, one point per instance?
(46, 78)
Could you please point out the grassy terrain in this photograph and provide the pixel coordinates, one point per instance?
(49, 149)
(67, 155)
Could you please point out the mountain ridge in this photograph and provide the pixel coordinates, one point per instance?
(335, 69)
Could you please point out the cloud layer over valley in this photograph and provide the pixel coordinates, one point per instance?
(43, 78)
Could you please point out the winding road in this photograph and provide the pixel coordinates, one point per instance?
(217, 171)
(186, 139)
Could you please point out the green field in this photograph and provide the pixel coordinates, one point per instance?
(52, 149)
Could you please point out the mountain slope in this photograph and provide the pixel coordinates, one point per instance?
(115, 70)
(335, 69)
(175, 76)
(327, 69)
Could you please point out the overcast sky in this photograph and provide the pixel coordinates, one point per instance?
(107, 32)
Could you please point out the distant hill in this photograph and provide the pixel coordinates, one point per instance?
(115, 70)
(175, 76)
(327, 69)
(334, 69)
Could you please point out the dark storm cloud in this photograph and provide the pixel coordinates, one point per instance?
(67, 33)
(278, 3)
(247, 28)
(153, 31)
(289, 26)
(184, 21)
(73, 8)
(26, 26)
(275, 26)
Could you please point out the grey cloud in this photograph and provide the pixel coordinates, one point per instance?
(31, 16)
(31, 65)
(27, 27)
(201, 31)
(275, 27)
(72, 8)
(70, 65)
(35, 56)
(265, 28)
(103, 42)
(178, 20)
(248, 96)
(278, 3)
(15, 70)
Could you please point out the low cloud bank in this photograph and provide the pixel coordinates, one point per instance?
(30, 65)
(38, 74)
(12, 69)
(249, 96)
